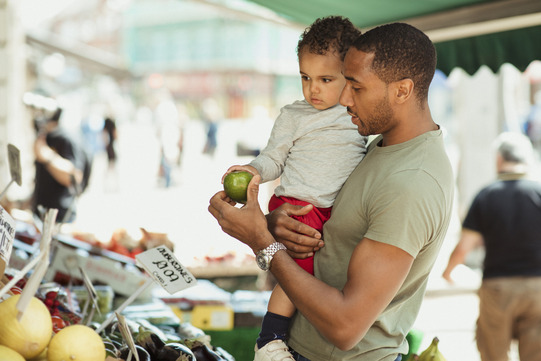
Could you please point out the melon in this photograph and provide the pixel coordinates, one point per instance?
(7, 354)
(76, 343)
(30, 336)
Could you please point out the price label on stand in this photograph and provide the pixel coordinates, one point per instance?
(7, 234)
(14, 160)
(162, 265)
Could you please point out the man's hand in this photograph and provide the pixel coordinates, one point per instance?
(247, 224)
(300, 239)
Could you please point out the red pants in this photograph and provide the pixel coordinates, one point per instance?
(316, 218)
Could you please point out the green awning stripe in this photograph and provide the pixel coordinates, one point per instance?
(518, 47)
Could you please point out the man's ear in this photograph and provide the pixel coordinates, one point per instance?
(404, 90)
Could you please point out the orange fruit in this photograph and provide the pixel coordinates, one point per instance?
(236, 185)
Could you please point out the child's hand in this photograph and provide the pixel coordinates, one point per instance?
(238, 168)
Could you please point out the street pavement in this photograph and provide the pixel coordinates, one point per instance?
(138, 198)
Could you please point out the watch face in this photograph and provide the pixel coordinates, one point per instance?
(263, 261)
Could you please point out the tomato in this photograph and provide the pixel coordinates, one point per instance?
(16, 290)
(58, 323)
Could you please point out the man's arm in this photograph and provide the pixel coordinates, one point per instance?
(376, 272)
(62, 169)
(469, 240)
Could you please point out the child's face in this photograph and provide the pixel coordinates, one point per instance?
(322, 79)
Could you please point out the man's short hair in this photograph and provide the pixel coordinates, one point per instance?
(401, 51)
(514, 147)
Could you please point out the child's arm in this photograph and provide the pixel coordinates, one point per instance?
(246, 168)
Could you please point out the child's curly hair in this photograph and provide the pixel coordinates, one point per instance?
(328, 34)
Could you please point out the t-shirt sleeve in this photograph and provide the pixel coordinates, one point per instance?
(406, 211)
(473, 218)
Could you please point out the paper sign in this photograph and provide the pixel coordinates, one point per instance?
(14, 160)
(7, 234)
(165, 269)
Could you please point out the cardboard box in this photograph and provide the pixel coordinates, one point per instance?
(212, 317)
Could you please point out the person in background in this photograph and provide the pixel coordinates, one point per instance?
(211, 114)
(313, 147)
(505, 219)
(388, 221)
(110, 136)
(60, 169)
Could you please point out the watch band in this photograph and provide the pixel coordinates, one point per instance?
(264, 257)
(273, 248)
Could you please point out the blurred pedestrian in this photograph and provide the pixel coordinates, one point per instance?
(211, 115)
(505, 219)
(109, 132)
(533, 124)
(62, 169)
(168, 130)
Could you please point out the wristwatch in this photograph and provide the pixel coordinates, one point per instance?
(264, 257)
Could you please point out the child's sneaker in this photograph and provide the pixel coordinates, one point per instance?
(276, 350)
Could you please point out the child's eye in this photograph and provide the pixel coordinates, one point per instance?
(305, 78)
(327, 80)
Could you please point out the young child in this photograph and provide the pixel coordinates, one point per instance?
(313, 148)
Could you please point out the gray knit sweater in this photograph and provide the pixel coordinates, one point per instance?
(313, 151)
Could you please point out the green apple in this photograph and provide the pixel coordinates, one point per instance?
(236, 185)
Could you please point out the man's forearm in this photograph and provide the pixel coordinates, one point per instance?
(320, 303)
(62, 170)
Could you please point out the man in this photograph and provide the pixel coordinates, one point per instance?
(60, 165)
(389, 219)
(505, 218)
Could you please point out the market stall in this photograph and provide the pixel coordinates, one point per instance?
(65, 296)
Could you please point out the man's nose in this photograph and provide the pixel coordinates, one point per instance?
(345, 97)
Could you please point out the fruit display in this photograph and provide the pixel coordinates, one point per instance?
(51, 329)
(236, 185)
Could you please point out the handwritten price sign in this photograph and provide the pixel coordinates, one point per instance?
(7, 234)
(165, 269)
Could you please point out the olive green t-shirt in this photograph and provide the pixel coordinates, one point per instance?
(400, 195)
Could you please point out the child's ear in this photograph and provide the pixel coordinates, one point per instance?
(404, 90)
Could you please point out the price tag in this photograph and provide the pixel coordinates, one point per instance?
(14, 160)
(7, 234)
(165, 269)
